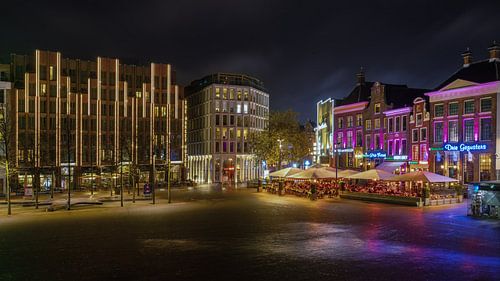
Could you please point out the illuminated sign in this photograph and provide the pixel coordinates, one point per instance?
(375, 154)
(397, 157)
(435, 148)
(464, 147)
(321, 127)
(341, 150)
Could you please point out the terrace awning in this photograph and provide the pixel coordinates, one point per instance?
(286, 172)
(374, 174)
(390, 166)
(424, 177)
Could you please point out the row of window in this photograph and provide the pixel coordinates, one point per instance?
(469, 107)
(219, 147)
(469, 133)
(394, 124)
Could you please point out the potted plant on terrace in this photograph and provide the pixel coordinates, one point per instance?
(426, 194)
(459, 191)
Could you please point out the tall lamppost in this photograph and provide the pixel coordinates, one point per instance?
(280, 141)
(336, 162)
(68, 154)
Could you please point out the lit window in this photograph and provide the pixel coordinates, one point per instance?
(469, 130)
(484, 166)
(453, 131)
(245, 108)
(377, 108)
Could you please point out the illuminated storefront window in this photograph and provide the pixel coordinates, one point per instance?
(484, 166)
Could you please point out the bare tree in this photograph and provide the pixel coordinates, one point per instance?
(6, 135)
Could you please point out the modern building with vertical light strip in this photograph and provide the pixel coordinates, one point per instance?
(94, 116)
(222, 110)
(324, 131)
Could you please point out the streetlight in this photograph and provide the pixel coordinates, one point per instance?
(154, 177)
(280, 141)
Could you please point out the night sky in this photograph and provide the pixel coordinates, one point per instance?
(302, 50)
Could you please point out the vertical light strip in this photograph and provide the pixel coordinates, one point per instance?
(125, 98)
(37, 105)
(151, 111)
(98, 105)
(133, 130)
(17, 127)
(143, 96)
(117, 109)
(169, 82)
(26, 91)
(176, 101)
(88, 96)
(58, 111)
(77, 128)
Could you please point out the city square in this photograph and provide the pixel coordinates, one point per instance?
(214, 234)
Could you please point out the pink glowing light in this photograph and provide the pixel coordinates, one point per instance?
(397, 111)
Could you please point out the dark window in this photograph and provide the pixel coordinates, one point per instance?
(438, 110)
(438, 132)
(453, 108)
(486, 129)
(469, 107)
(486, 105)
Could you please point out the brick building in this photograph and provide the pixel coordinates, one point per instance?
(370, 124)
(464, 141)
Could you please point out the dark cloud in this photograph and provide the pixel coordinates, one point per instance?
(303, 50)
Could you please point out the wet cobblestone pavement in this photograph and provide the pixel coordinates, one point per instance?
(210, 234)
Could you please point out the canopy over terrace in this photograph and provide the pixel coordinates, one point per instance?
(314, 173)
(373, 174)
(347, 173)
(423, 177)
(283, 173)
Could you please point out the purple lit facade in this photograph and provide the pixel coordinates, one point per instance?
(464, 112)
(348, 132)
(379, 124)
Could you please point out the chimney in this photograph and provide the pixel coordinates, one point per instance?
(360, 76)
(467, 55)
(494, 51)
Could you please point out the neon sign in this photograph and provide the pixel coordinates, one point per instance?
(341, 150)
(375, 154)
(464, 147)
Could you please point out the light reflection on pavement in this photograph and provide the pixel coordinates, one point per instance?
(212, 234)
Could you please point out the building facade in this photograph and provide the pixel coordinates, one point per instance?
(464, 140)
(223, 110)
(372, 125)
(91, 119)
(324, 131)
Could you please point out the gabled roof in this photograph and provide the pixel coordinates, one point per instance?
(477, 72)
(401, 95)
(398, 95)
(360, 93)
